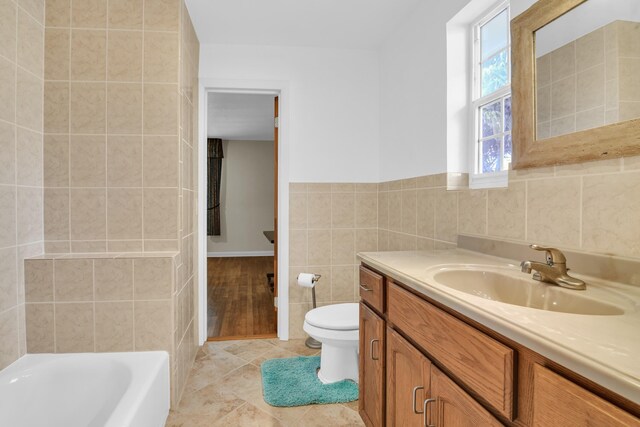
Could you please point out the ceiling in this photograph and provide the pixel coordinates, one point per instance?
(350, 24)
(240, 117)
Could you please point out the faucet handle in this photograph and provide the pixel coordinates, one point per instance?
(553, 255)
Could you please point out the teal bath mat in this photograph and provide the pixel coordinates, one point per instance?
(293, 382)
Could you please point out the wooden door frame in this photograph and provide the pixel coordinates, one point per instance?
(281, 90)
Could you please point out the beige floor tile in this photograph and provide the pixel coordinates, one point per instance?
(225, 389)
(201, 354)
(212, 346)
(210, 400)
(243, 382)
(289, 416)
(330, 415)
(274, 353)
(248, 416)
(352, 405)
(250, 349)
(211, 369)
(177, 419)
(296, 346)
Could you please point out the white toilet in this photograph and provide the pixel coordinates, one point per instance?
(336, 327)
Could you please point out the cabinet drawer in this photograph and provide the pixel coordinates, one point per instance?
(483, 364)
(558, 402)
(372, 288)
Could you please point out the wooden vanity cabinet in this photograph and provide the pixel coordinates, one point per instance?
(372, 360)
(468, 374)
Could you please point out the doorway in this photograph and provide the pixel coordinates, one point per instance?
(242, 215)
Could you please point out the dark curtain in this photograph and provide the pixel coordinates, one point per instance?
(214, 175)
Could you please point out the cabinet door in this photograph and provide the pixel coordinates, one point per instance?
(481, 363)
(455, 408)
(408, 382)
(558, 402)
(371, 403)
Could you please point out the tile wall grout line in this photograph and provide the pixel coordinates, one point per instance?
(142, 139)
(575, 90)
(69, 124)
(93, 289)
(42, 224)
(98, 133)
(55, 332)
(106, 130)
(108, 28)
(526, 210)
(580, 214)
(15, 160)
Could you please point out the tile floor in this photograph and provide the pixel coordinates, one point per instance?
(225, 389)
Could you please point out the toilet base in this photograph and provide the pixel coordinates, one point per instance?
(313, 343)
(338, 363)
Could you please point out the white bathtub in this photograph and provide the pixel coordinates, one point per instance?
(86, 390)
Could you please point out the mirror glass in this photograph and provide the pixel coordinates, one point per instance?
(588, 68)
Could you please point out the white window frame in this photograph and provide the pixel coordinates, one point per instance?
(490, 179)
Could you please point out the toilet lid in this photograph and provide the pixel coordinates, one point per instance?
(340, 317)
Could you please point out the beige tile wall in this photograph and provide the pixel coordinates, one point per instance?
(21, 118)
(111, 122)
(329, 223)
(120, 123)
(417, 213)
(628, 43)
(185, 296)
(591, 207)
(109, 303)
(112, 302)
(590, 82)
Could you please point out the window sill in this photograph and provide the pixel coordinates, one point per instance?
(489, 180)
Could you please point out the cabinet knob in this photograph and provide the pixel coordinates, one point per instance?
(415, 390)
(364, 288)
(425, 407)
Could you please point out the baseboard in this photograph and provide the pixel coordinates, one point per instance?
(238, 254)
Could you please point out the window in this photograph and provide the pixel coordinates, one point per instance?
(491, 96)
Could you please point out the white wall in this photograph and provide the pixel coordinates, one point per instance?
(413, 74)
(359, 115)
(246, 198)
(413, 93)
(334, 104)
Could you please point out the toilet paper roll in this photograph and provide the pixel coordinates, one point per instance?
(306, 280)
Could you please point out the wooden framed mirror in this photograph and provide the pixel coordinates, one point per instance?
(575, 82)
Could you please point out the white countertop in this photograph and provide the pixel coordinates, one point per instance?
(604, 349)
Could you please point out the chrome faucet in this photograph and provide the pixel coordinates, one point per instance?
(554, 271)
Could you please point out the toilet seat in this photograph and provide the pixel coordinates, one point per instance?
(335, 317)
(322, 334)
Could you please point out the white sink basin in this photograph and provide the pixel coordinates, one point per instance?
(507, 287)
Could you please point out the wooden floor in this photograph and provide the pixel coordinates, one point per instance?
(240, 304)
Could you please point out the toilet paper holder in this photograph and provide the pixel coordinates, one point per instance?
(316, 278)
(310, 342)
